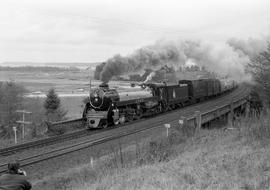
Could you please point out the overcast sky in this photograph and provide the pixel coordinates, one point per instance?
(91, 31)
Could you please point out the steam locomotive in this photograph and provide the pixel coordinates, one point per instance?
(109, 107)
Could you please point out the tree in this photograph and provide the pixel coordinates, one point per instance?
(11, 99)
(259, 67)
(53, 110)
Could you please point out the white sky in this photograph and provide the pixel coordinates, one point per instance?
(90, 31)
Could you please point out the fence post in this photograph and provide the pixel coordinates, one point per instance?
(182, 121)
(231, 114)
(121, 154)
(15, 134)
(167, 126)
(247, 108)
(217, 112)
(198, 119)
(92, 162)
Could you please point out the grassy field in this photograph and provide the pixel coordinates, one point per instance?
(71, 86)
(232, 158)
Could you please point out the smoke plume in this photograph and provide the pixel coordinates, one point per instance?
(228, 59)
(150, 57)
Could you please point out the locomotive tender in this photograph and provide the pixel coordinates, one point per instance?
(108, 107)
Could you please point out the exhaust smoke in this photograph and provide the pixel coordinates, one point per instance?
(228, 59)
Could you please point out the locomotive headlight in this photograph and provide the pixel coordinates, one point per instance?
(96, 99)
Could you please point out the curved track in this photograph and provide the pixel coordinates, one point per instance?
(65, 137)
(131, 128)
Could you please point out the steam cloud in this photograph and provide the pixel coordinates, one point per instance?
(250, 47)
(150, 76)
(226, 59)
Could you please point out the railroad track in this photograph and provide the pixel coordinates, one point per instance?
(42, 142)
(100, 138)
(69, 136)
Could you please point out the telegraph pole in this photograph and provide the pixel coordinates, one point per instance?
(23, 122)
(90, 85)
(90, 90)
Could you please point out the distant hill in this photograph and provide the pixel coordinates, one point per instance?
(49, 64)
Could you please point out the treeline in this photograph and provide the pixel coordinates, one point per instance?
(38, 69)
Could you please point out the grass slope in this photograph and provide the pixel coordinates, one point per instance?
(217, 162)
(237, 158)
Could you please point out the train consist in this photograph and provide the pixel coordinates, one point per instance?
(109, 107)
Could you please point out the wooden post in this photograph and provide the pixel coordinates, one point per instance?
(182, 121)
(167, 127)
(198, 119)
(90, 86)
(183, 126)
(217, 112)
(247, 109)
(23, 122)
(15, 134)
(92, 162)
(230, 115)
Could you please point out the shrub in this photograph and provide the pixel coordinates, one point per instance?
(53, 109)
(256, 128)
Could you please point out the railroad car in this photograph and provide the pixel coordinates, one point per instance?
(108, 107)
(202, 89)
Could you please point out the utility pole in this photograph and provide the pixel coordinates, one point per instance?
(90, 85)
(90, 90)
(23, 122)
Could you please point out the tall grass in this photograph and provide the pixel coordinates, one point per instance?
(146, 152)
(210, 159)
(256, 127)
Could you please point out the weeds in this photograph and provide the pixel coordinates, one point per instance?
(216, 159)
(256, 128)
